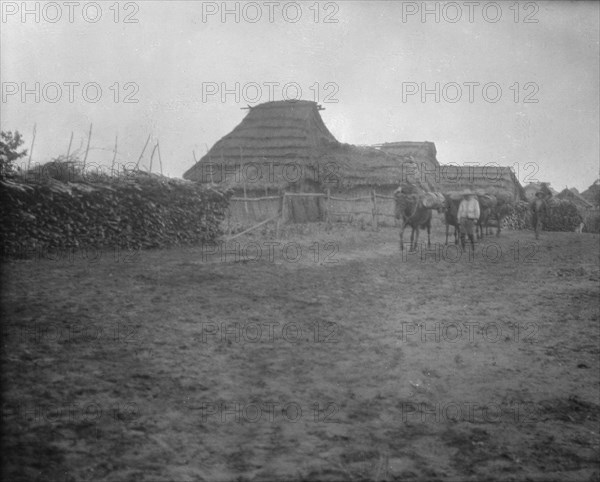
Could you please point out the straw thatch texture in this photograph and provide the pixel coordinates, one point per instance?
(533, 187)
(592, 193)
(422, 153)
(499, 181)
(285, 145)
(367, 166)
(271, 136)
(580, 202)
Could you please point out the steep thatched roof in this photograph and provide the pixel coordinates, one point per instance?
(282, 136)
(491, 179)
(367, 166)
(576, 199)
(534, 187)
(591, 194)
(271, 135)
(419, 152)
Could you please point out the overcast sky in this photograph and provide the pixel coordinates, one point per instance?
(373, 58)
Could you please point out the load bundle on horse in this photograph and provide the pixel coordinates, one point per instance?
(433, 200)
(487, 201)
(406, 196)
(503, 196)
(411, 194)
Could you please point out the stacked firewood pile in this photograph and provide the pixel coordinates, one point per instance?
(134, 211)
(562, 215)
(519, 217)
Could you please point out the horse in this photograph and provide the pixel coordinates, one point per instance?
(487, 203)
(410, 211)
(497, 215)
(450, 212)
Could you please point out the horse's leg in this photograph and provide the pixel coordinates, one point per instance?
(448, 231)
(416, 230)
(402, 225)
(429, 234)
(412, 239)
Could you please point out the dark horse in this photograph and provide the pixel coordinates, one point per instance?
(450, 212)
(411, 212)
(497, 215)
(487, 204)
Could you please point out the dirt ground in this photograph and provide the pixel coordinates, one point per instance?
(353, 362)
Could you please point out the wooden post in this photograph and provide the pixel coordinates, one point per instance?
(159, 158)
(69, 149)
(152, 156)
(142, 153)
(31, 148)
(112, 167)
(87, 149)
(327, 217)
(374, 199)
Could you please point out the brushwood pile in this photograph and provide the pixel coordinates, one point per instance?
(135, 210)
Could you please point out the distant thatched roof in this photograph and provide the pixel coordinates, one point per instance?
(591, 193)
(419, 152)
(580, 202)
(534, 187)
(285, 142)
(491, 178)
(367, 166)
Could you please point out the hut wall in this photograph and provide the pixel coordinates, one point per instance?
(343, 205)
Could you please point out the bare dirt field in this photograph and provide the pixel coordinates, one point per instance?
(352, 362)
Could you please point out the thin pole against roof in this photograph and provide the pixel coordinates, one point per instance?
(69, 149)
(159, 157)
(152, 156)
(143, 150)
(88, 146)
(31, 148)
(112, 167)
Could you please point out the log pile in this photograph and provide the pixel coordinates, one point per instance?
(562, 215)
(138, 211)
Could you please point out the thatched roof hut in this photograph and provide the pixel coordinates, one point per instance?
(500, 181)
(580, 202)
(534, 187)
(592, 193)
(285, 145)
(422, 153)
(271, 136)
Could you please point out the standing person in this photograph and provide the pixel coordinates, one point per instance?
(539, 209)
(468, 215)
